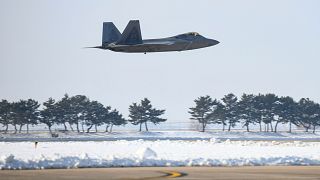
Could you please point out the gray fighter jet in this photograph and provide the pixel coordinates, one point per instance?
(131, 41)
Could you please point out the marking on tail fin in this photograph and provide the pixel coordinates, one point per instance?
(132, 34)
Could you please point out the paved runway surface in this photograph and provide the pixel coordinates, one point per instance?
(154, 173)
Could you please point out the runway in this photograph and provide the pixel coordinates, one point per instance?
(154, 173)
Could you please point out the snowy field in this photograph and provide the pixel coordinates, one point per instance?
(43, 136)
(24, 155)
(157, 148)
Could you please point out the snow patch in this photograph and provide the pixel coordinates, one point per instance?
(146, 153)
(23, 155)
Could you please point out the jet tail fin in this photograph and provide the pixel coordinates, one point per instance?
(132, 34)
(110, 33)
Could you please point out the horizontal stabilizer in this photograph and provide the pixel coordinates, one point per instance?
(97, 47)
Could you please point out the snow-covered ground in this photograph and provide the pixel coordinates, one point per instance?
(24, 155)
(157, 148)
(161, 135)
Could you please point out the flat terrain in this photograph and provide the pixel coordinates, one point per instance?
(140, 153)
(45, 136)
(146, 173)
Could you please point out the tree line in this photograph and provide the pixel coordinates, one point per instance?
(269, 110)
(76, 111)
(79, 113)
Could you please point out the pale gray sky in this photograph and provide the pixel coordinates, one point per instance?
(266, 46)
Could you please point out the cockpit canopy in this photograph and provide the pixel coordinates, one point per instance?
(193, 33)
(187, 35)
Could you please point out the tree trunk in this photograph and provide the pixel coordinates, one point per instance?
(265, 127)
(223, 126)
(82, 127)
(27, 128)
(65, 126)
(314, 129)
(49, 127)
(290, 126)
(247, 127)
(107, 126)
(88, 130)
(260, 126)
(15, 129)
(276, 126)
(140, 127)
(95, 126)
(271, 127)
(7, 126)
(78, 127)
(111, 127)
(229, 128)
(71, 127)
(307, 129)
(203, 127)
(20, 128)
(145, 123)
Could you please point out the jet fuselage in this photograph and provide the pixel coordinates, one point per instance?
(163, 44)
(131, 41)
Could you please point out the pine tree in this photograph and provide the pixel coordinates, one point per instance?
(78, 110)
(271, 102)
(107, 117)
(287, 110)
(63, 111)
(5, 109)
(230, 104)
(266, 106)
(246, 110)
(17, 116)
(137, 115)
(308, 113)
(116, 119)
(217, 116)
(49, 113)
(32, 113)
(316, 117)
(202, 110)
(143, 112)
(95, 114)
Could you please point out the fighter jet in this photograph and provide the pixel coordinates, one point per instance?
(131, 41)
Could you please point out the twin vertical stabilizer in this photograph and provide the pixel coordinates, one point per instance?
(110, 33)
(130, 36)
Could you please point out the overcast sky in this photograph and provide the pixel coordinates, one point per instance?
(266, 47)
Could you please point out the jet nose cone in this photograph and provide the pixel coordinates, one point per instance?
(213, 42)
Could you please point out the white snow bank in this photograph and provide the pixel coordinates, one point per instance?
(24, 155)
(146, 153)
